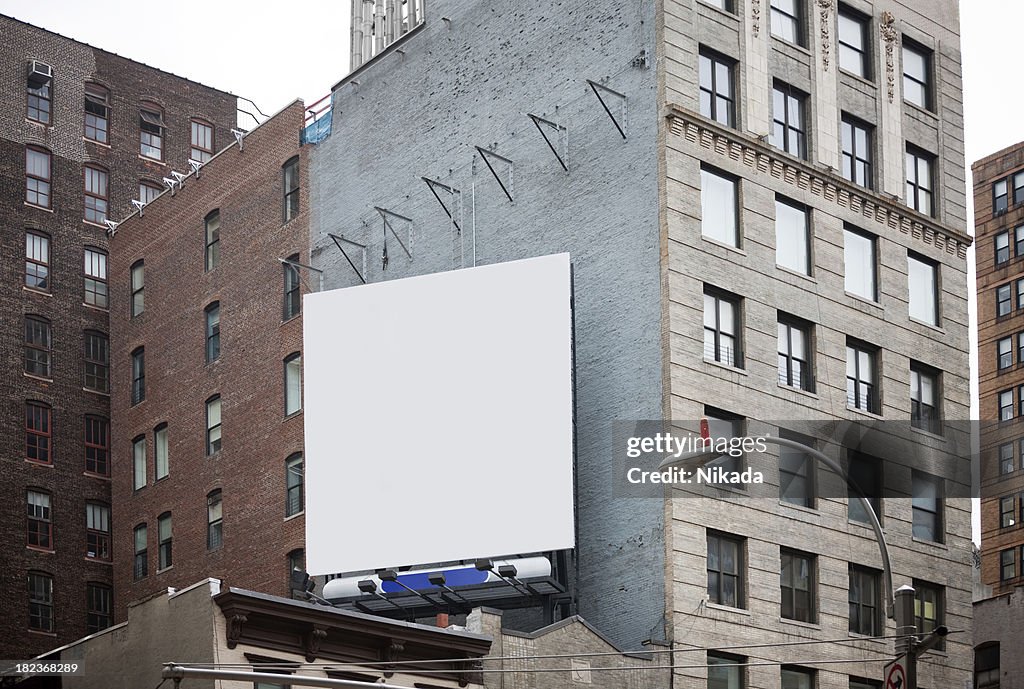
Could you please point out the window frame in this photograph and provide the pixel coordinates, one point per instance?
(213, 445)
(39, 99)
(718, 355)
(95, 193)
(95, 275)
(161, 457)
(41, 608)
(810, 561)
(795, 20)
(140, 467)
(871, 479)
(935, 290)
(809, 673)
(295, 488)
(145, 198)
(715, 541)
(731, 235)
(921, 510)
(716, 61)
(872, 402)
(137, 285)
(849, 232)
(39, 520)
(38, 346)
(41, 437)
(292, 289)
(786, 236)
(792, 125)
(165, 552)
(1002, 408)
(915, 186)
(803, 379)
(853, 154)
(1008, 562)
(138, 363)
(98, 541)
(99, 97)
(292, 370)
(1007, 517)
(291, 184)
(807, 472)
(873, 606)
(205, 152)
(140, 560)
(99, 607)
(927, 58)
(211, 320)
(97, 452)
(735, 668)
(1004, 235)
(214, 524)
(1004, 298)
(211, 234)
(1000, 208)
(37, 260)
(923, 416)
(152, 134)
(96, 361)
(1006, 459)
(38, 186)
(864, 69)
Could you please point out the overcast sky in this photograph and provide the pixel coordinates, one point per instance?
(300, 49)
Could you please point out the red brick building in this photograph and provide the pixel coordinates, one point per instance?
(999, 259)
(83, 133)
(206, 335)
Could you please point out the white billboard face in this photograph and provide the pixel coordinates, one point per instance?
(438, 417)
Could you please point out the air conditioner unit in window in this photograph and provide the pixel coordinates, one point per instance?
(39, 73)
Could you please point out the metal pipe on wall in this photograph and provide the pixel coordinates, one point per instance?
(367, 30)
(378, 27)
(356, 36)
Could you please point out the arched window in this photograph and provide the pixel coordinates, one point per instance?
(293, 383)
(213, 407)
(97, 113)
(140, 538)
(97, 361)
(37, 176)
(40, 601)
(95, 181)
(151, 131)
(986, 665)
(202, 141)
(162, 461)
(37, 260)
(138, 286)
(290, 175)
(292, 293)
(39, 528)
(97, 446)
(138, 375)
(38, 433)
(38, 346)
(294, 485)
(212, 231)
(212, 331)
(165, 537)
(214, 520)
(97, 524)
(99, 607)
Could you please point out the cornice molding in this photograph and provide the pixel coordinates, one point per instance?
(823, 183)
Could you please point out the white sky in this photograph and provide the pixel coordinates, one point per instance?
(300, 49)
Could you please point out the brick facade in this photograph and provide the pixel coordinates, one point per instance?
(246, 187)
(62, 302)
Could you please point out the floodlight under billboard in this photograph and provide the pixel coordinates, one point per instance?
(438, 417)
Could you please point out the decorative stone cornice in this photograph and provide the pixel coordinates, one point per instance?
(827, 185)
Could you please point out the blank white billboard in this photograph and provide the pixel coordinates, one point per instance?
(438, 417)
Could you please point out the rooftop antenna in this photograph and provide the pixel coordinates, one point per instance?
(195, 165)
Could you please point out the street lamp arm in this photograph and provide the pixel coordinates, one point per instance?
(702, 457)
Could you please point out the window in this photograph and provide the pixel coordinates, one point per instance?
(37, 177)
(97, 446)
(861, 374)
(861, 264)
(95, 194)
(202, 141)
(97, 361)
(1018, 188)
(97, 523)
(160, 449)
(214, 520)
(923, 276)
(865, 474)
(796, 471)
(723, 424)
(212, 224)
(795, 353)
(1004, 300)
(37, 261)
(213, 425)
(717, 99)
(148, 192)
(721, 328)
(40, 79)
(292, 293)
(1006, 405)
(859, 683)
(290, 174)
(38, 346)
(97, 113)
(139, 462)
(924, 398)
(1002, 244)
(1004, 353)
(138, 285)
(294, 502)
(927, 507)
(99, 607)
(151, 132)
(986, 666)
(296, 561)
(1007, 564)
(96, 293)
(725, 567)
(797, 580)
(164, 535)
(212, 331)
(788, 130)
(140, 567)
(37, 433)
(792, 236)
(853, 43)
(293, 384)
(797, 678)
(138, 375)
(726, 671)
(919, 180)
(864, 601)
(718, 207)
(1006, 463)
(856, 138)
(787, 23)
(916, 74)
(1000, 197)
(1020, 348)
(720, 4)
(40, 525)
(40, 602)
(1007, 512)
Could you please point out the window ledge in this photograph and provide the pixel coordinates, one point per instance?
(297, 514)
(48, 465)
(801, 391)
(41, 379)
(725, 608)
(926, 324)
(864, 300)
(152, 160)
(293, 414)
(38, 208)
(39, 632)
(724, 245)
(863, 637)
(165, 569)
(90, 223)
(37, 549)
(864, 525)
(726, 367)
(926, 433)
(719, 10)
(856, 77)
(798, 623)
(97, 392)
(93, 307)
(917, 109)
(101, 477)
(934, 545)
(96, 143)
(292, 318)
(99, 561)
(811, 511)
(789, 44)
(797, 273)
(865, 412)
(33, 290)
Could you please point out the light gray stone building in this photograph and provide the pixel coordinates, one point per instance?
(764, 202)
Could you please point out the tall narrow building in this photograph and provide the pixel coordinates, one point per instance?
(83, 133)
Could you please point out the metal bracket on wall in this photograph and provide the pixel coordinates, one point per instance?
(487, 155)
(385, 214)
(598, 89)
(337, 242)
(562, 138)
(434, 185)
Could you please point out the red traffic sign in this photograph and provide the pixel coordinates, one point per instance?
(896, 674)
